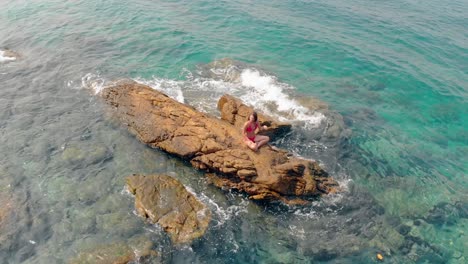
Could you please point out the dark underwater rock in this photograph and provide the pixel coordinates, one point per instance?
(85, 154)
(379, 86)
(404, 229)
(442, 213)
(462, 208)
(225, 69)
(445, 213)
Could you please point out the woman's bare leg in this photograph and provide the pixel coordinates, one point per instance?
(261, 140)
(252, 145)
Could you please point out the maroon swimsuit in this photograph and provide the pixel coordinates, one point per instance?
(249, 129)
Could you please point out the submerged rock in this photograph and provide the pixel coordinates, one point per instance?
(5, 197)
(5, 209)
(332, 128)
(215, 145)
(137, 250)
(85, 154)
(117, 223)
(17, 212)
(165, 201)
(225, 69)
(447, 214)
(11, 215)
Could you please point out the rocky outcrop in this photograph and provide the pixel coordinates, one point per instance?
(236, 113)
(165, 201)
(214, 145)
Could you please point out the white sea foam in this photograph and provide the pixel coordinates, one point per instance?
(93, 82)
(223, 214)
(200, 93)
(309, 213)
(125, 191)
(228, 73)
(170, 87)
(4, 58)
(326, 202)
(297, 231)
(265, 91)
(253, 87)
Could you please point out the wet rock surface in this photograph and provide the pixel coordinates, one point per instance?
(236, 113)
(165, 201)
(214, 145)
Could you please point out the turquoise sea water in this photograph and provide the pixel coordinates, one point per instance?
(393, 74)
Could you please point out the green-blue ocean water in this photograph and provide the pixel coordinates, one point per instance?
(394, 72)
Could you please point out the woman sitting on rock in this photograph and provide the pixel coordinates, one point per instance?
(253, 140)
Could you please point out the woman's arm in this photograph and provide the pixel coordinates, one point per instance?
(244, 129)
(260, 128)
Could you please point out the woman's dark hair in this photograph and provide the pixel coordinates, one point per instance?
(254, 115)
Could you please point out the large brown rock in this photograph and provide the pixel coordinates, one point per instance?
(214, 145)
(165, 201)
(236, 113)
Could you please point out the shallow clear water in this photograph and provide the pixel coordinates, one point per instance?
(392, 77)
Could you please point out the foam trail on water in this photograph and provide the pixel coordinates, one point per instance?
(5, 58)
